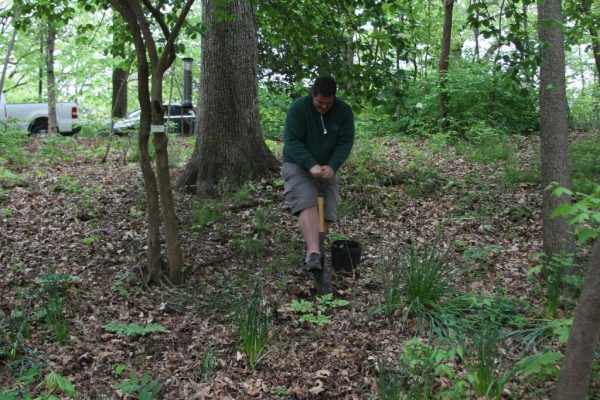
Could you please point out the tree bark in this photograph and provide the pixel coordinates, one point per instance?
(587, 7)
(9, 50)
(557, 235)
(153, 254)
(229, 145)
(575, 373)
(445, 62)
(120, 75)
(50, 41)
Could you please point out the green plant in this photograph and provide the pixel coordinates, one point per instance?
(209, 213)
(555, 269)
(253, 319)
(485, 145)
(281, 391)
(208, 365)
(390, 274)
(262, 220)
(55, 316)
(584, 213)
(91, 239)
(249, 247)
(584, 155)
(5, 212)
(8, 178)
(419, 366)
(57, 148)
(134, 329)
(14, 329)
(12, 143)
(426, 276)
(54, 285)
(67, 184)
(481, 366)
(519, 172)
(315, 312)
(144, 386)
(244, 192)
(54, 382)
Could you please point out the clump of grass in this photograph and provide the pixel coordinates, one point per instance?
(426, 276)
(253, 319)
(249, 247)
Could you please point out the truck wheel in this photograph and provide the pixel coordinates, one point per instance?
(40, 130)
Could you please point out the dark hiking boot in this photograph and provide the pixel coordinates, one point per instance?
(313, 263)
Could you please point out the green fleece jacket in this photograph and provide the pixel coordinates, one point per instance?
(305, 142)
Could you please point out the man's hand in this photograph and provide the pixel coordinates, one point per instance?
(316, 171)
(322, 172)
(327, 173)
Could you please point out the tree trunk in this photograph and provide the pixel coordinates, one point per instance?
(587, 7)
(9, 50)
(153, 261)
(229, 144)
(574, 380)
(558, 238)
(120, 75)
(51, 39)
(476, 35)
(445, 62)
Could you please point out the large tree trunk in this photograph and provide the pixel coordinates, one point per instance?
(445, 62)
(120, 74)
(229, 144)
(51, 39)
(576, 369)
(558, 238)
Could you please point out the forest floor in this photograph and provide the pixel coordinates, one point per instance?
(83, 221)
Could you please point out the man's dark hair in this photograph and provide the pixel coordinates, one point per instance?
(324, 86)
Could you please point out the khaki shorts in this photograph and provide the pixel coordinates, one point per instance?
(301, 190)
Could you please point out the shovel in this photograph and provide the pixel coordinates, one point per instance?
(322, 278)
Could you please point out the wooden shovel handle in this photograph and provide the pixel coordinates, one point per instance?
(321, 212)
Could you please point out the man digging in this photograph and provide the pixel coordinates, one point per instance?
(318, 137)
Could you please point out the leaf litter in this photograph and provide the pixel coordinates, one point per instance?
(467, 209)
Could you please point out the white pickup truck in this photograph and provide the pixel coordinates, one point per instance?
(34, 116)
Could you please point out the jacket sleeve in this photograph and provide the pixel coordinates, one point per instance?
(344, 143)
(294, 136)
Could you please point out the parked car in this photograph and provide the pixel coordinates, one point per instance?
(34, 116)
(178, 119)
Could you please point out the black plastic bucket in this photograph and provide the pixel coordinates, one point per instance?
(345, 255)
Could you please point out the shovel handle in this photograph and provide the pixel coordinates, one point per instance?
(321, 212)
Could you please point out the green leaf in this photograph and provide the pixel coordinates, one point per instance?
(540, 363)
(561, 210)
(586, 234)
(65, 385)
(562, 328)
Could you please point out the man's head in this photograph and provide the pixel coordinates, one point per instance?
(323, 92)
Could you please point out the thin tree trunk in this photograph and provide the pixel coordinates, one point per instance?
(476, 34)
(576, 369)
(41, 70)
(229, 144)
(120, 75)
(558, 239)
(445, 62)
(165, 190)
(51, 39)
(153, 261)
(9, 50)
(587, 7)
